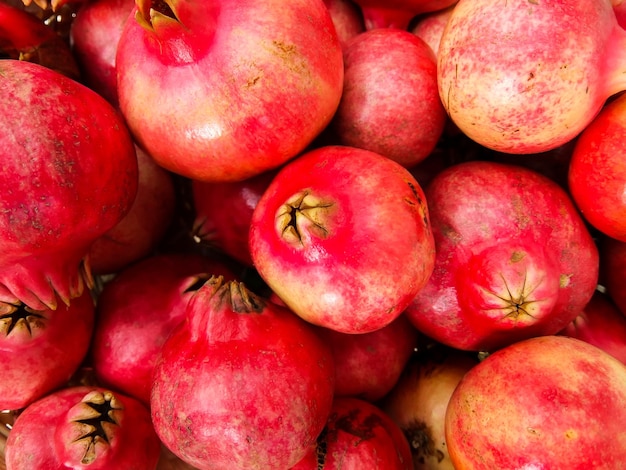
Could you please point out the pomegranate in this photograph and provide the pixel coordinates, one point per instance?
(613, 270)
(223, 212)
(343, 247)
(83, 427)
(94, 37)
(70, 182)
(601, 324)
(390, 103)
(526, 77)
(24, 37)
(368, 365)
(358, 435)
(241, 383)
(140, 232)
(261, 80)
(347, 18)
(41, 349)
(430, 27)
(545, 402)
(514, 258)
(398, 13)
(418, 402)
(137, 311)
(597, 171)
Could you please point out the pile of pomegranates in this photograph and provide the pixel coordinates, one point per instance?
(312, 234)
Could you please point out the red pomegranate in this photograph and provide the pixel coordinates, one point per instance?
(70, 182)
(261, 81)
(83, 427)
(390, 103)
(526, 77)
(398, 13)
(342, 236)
(545, 402)
(40, 350)
(514, 257)
(241, 382)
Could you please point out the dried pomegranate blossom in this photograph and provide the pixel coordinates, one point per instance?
(20, 319)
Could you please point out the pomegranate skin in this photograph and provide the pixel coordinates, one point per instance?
(514, 258)
(601, 324)
(545, 402)
(138, 310)
(71, 181)
(262, 80)
(390, 102)
(83, 427)
(526, 77)
(342, 236)
(597, 170)
(241, 383)
(41, 349)
(358, 435)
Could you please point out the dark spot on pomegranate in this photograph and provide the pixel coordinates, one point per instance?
(421, 441)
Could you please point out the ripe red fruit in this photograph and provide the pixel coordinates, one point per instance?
(390, 103)
(597, 170)
(358, 435)
(41, 349)
(397, 13)
(136, 312)
(545, 402)
(526, 77)
(67, 183)
(83, 427)
(234, 88)
(514, 257)
(342, 236)
(241, 383)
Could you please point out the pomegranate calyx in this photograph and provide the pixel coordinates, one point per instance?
(19, 319)
(94, 422)
(302, 217)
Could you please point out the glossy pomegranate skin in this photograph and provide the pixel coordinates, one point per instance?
(514, 257)
(261, 81)
(597, 170)
(42, 349)
(568, 404)
(269, 377)
(528, 77)
(137, 311)
(70, 163)
(83, 427)
(342, 236)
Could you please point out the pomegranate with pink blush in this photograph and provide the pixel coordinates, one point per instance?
(601, 324)
(525, 77)
(83, 427)
(430, 27)
(94, 36)
(390, 103)
(514, 258)
(69, 182)
(368, 365)
(145, 225)
(342, 236)
(261, 81)
(223, 212)
(136, 312)
(241, 382)
(40, 349)
(358, 435)
(545, 402)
